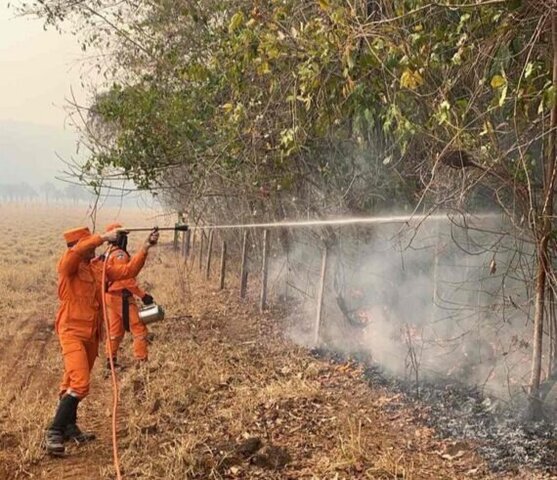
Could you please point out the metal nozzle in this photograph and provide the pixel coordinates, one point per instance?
(178, 228)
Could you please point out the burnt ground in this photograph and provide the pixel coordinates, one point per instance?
(500, 433)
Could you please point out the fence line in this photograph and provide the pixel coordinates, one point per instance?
(197, 245)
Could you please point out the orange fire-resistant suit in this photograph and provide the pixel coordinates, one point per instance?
(119, 293)
(79, 318)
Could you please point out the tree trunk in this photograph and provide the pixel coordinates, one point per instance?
(535, 377)
(553, 320)
(551, 332)
(543, 261)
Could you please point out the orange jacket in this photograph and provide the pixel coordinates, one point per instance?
(80, 289)
(79, 309)
(118, 259)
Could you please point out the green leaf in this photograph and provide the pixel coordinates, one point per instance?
(541, 107)
(488, 128)
(411, 79)
(498, 81)
(236, 22)
(263, 68)
(350, 60)
(465, 17)
(462, 105)
(550, 97)
(503, 95)
(443, 112)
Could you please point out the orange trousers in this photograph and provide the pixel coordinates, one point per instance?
(116, 324)
(79, 358)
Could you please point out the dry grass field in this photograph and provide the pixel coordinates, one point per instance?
(222, 396)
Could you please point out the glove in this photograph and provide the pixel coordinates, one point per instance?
(147, 299)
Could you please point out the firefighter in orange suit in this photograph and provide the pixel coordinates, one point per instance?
(79, 325)
(123, 314)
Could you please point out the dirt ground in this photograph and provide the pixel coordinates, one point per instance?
(222, 396)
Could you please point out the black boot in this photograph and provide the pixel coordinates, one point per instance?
(54, 442)
(117, 366)
(73, 432)
(54, 436)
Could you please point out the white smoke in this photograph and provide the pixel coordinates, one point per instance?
(438, 300)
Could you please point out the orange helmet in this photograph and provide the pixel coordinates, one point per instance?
(75, 234)
(122, 240)
(112, 226)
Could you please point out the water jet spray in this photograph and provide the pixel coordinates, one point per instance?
(395, 219)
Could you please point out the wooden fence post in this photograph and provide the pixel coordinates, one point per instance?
(187, 243)
(192, 249)
(177, 232)
(317, 335)
(175, 241)
(183, 247)
(209, 255)
(243, 271)
(222, 265)
(264, 271)
(201, 243)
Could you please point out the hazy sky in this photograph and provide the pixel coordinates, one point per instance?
(37, 69)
